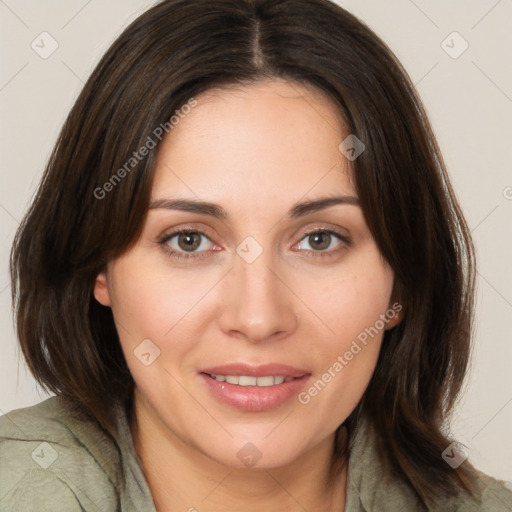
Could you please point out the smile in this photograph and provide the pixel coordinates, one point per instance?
(248, 380)
(254, 388)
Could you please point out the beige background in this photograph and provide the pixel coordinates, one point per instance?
(469, 100)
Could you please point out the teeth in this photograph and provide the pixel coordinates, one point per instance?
(243, 380)
(246, 380)
(267, 381)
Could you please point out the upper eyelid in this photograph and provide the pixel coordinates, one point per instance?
(200, 228)
(168, 233)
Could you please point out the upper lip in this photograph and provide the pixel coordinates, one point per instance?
(263, 370)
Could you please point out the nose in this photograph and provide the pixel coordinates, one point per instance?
(258, 305)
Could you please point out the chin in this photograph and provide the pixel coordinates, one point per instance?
(257, 451)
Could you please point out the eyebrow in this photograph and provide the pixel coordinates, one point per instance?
(217, 211)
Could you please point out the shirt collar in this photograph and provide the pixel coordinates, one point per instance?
(135, 494)
(372, 483)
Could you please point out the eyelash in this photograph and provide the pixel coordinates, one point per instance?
(204, 254)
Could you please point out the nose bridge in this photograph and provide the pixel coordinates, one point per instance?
(258, 305)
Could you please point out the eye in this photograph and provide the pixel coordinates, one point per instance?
(194, 244)
(323, 242)
(181, 242)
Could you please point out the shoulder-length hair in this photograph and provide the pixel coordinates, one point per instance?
(83, 216)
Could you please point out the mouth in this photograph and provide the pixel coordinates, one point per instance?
(254, 388)
(248, 380)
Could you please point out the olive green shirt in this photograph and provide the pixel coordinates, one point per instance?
(50, 461)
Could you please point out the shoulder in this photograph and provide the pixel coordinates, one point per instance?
(492, 495)
(50, 458)
(373, 485)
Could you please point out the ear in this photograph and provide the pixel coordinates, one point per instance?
(101, 291)
(395, 314)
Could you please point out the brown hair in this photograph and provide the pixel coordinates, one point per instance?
(173, 52)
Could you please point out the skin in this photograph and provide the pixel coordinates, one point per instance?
(256, 151)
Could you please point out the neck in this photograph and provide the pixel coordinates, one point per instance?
(180, 477)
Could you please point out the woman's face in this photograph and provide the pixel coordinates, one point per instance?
(251, 293)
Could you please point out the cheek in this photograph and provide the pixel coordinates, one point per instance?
(149, 300)
(357, 305)
(345, 362)
(351, 301)
(161, 313)
(145, 309)
(353, 310)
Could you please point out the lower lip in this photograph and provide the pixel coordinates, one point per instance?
(254, 398)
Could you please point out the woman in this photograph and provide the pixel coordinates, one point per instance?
(246, 277)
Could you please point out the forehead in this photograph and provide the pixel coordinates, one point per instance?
(254, 147)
